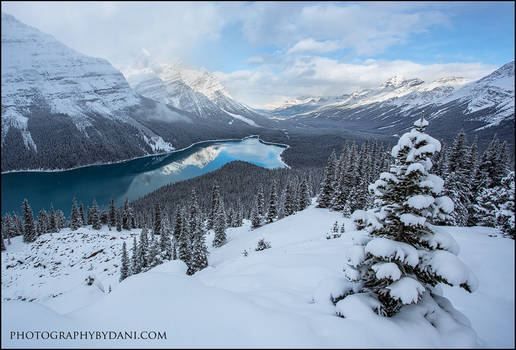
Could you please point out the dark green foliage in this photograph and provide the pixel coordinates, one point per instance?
(272, 212)
(124, 266)
(29, 229)
(220, 226)
(75, 217)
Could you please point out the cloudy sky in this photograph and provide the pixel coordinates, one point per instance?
(265, 52)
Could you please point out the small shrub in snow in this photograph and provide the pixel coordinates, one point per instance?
(262, 245)
(245, 253)
(89, 280)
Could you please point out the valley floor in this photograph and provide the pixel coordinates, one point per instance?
(268, 298)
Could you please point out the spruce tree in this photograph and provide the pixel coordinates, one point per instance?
(164, 242)
(400, 258)
(198, 259)
(255, 218)
(88, 213)
(81, 212)
(272, 212)
(60, 219)
(290, 205)
(220, 226)
(184, 250)
(213, 207)
(144, 248)
(29, 229)
(112, 212)
(304, 196)
(260, 203)
(75, 217)
(327, 192)
(124, 266)
(136, 260)
(52, 221)
(95, 219)
(42, 223)
(118, 221)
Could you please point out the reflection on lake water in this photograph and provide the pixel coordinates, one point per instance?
(131, 179)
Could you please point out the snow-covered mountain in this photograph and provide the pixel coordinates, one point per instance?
(484, 106)
(194, 90)
(60, 104)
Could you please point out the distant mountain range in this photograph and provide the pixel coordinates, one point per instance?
(62, 109)
(482, 107)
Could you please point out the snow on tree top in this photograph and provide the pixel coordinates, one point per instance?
(413, 138)
(421, 122)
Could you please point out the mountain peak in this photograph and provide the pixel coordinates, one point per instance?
(398, 81)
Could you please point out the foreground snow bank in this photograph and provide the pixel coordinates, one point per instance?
(279, 297)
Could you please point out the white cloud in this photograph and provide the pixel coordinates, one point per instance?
(311, 45)
(118, 30)
(366, 28)
(322, 76)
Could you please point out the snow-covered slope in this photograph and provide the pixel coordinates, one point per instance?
(483, 107)
(271, 298)
(55, 98)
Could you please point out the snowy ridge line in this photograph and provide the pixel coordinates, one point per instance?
(152, 155)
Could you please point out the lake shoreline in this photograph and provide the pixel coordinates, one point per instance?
(151, 155)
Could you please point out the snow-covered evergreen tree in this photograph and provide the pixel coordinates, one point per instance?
(325, 197)
(505, 208)
(165, 243)
(213, 205)
(255, 218)
(112, 212)
(290, 206)
(75, 217)
(124, 264)
(81, 212)
(198, 259)
(42, 222)
(136, 259)
(95, 218)
(29, 229)
(304, 199)
(118, 221)
(60, 219)
(458, 180)
(143, 248)
(219, 226)
(272, 212)
(260, 203)
(157, 219)
(52, 220)
(184, 250)
(400, 257)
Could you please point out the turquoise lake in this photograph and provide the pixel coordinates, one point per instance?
(133, 178)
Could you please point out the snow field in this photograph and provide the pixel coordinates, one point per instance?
(278, 297)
